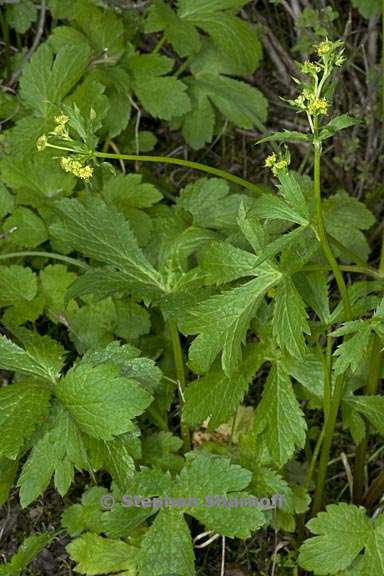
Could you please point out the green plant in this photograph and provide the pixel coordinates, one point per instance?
(137, 322)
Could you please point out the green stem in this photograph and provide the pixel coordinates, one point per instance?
(354, 269)
(330, 418)
(186, 164)
(374, 371)
(329, 429)
(180, 375)
(52, 255)
(159, 45)
(311, 468)
(183, 67)
(323, 235)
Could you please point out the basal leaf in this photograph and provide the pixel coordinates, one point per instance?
(23, 406)
(217, 396)
(102, 402)
(102, 233)
(167, 547)
(342, 532)
(43, 360)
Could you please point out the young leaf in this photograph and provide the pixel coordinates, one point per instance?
(221, 478)
(286, 136)
(279, 417)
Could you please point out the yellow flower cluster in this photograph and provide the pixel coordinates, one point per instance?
(61, 129)
(76, 168)
(310, 68)
(307, 102)
(318, 106)
(325, 47)
(277, 165)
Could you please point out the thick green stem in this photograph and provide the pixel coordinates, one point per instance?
(53, 255)
(374, 371)
(186, 164)
(180, 375)
(329, 428)
(323, 235)
(333, 408)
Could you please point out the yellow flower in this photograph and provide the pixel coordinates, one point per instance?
(310, 68)
(280, 166)
(61, 119)
(66, 164)
(61, 131)
(318, 107)
(41, 143)
(86, 172)
(270, 161)
(76, 168)
(325, 48)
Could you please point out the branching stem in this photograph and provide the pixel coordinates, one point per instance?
(186, 164)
